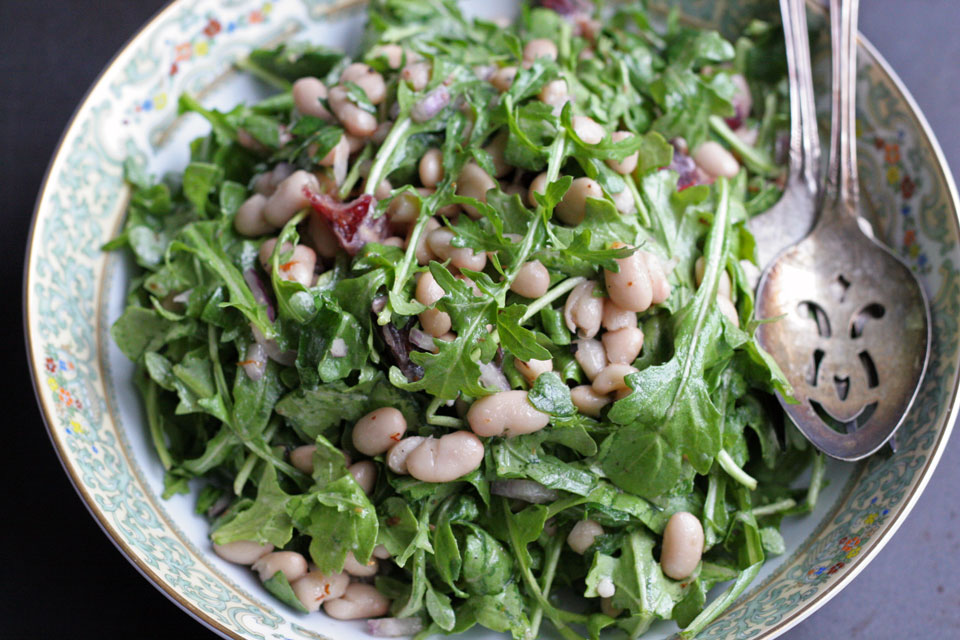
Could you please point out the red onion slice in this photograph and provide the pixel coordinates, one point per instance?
(260, 292)
(491, 376)
(430, 105)
(422, 340)
(353, 223)
(272, 349)
(526, 490)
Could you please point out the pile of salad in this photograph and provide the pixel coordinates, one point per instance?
(460, 331)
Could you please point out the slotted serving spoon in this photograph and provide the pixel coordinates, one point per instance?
(853, 336)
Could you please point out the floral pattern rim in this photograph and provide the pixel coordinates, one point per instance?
(63, 404)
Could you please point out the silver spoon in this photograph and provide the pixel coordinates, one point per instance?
(788, 221)
(853, 335)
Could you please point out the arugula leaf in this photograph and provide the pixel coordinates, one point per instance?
(265, 521)
(339, 518)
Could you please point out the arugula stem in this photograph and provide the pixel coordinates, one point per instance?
(751, 156)
(557, 616)
(397, 134)
(638, 199)
(354, 174)
(546, 299)
(214, 344)
(816, 482)
(735, 472)
(246, 64)
(156, 427)
(546, 581)
(766, 131)
(717, 607)
(774, 507)
(250, 462)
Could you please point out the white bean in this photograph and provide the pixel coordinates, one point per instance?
(365, 473)
(320, 236)
(629, 164)
(507, 413)
(623, 345)
(266, 183)
(307, 93)
(431, 168)
(612, 378)
(358, 601)
(403, 209)
(315, 587)
(539, 48)
(392, 52)
(367, 79)
(658, 277)
(724, 287)
(531, 369)
(446, 458)
(379, 430)
(727, 309)
(591, 356)
(615, 317)
(417, 75)
(573, 207)
(380, 552)
(715, 160)
(290, 197)
(353, 566)
(302, 458)
(435, 322)
(354, 119)
(424, 253)
(474, 182)
(639, 283)
(249, 220)
(583, 312)
(587, 401)
(242, 551)
(290, 563)
(682, 545)
(539, 185)
(583, 535)
(398, 453)
(532, 280)
(587, 129)
(502, 79)
(383, 190)
(554, 93)
(298, 267)
(461, 258)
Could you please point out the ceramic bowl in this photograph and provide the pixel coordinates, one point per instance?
(95, 420)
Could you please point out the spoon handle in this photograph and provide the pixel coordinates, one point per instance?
(842, 181)
(804, 139)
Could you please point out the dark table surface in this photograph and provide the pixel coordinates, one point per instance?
(62, 578)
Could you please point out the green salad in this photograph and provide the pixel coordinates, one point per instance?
(459, 331)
